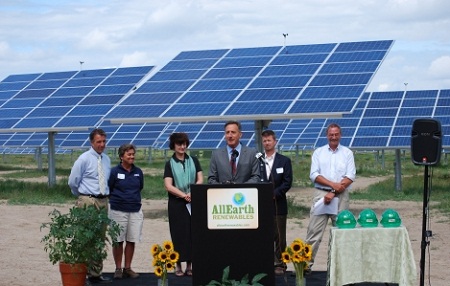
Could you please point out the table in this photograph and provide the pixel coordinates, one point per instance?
(370, 255)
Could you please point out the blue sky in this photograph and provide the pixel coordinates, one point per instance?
(50, 36)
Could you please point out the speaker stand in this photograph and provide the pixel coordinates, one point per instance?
(424, 242)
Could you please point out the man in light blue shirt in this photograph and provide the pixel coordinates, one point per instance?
(332, 172)
(88, 180)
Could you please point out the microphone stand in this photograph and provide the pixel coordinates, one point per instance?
(262, 170)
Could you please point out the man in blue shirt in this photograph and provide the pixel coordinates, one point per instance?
(88, 180)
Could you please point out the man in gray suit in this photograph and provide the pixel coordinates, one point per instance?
(235, 163)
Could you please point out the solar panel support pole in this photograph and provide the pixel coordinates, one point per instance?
(51, 159)
(398, 171)
(150, 159)
(39, 158)
(260, 125)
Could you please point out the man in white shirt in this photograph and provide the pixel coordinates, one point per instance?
(332, 172)
(88, 181)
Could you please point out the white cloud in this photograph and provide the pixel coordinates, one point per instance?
(135, 59)
(439, 68)
(97, 39)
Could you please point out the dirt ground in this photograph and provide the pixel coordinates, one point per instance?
(24, 261)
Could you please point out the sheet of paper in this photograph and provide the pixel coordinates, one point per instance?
(188, 206)
(321, 208)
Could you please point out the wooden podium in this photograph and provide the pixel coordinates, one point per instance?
(232, 225)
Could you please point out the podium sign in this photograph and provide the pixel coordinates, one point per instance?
(235, 208)
(232, 225)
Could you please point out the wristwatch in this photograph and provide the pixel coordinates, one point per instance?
(333, 191)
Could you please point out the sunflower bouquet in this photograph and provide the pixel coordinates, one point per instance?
(299, 253)
(164, 259)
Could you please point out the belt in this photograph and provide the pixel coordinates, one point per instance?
(96, 196)
(324, 189)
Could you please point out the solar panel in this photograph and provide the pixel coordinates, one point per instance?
(256, 83)
(383, 120)
(64, 100)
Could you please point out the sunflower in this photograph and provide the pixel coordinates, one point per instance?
(297, 246)
(164, 258)
(155, 249)
(299, 253)
(173, 256)
(158, 271)
(167, 246)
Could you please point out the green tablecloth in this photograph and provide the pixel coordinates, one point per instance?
(370, 255)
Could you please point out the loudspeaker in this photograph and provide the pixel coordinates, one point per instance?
(426, 142)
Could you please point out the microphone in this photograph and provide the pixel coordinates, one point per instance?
(260, 157)
(235, 154)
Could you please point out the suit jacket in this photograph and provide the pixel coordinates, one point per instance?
(247, 170)
(281, 177)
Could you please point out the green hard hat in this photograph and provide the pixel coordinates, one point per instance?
(390, 218)
(368, 218)
(345, 219)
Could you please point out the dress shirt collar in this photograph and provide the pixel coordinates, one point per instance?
(238, 148)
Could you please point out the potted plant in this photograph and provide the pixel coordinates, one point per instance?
(73, 239)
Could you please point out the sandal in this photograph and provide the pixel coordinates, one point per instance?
(188, 272)
(179, 273)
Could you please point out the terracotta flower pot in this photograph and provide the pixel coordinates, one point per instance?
(73, 274)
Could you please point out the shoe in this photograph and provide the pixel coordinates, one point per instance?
(99, 279)
(179, 273)
(279, 271)
(128, 272)
(118, 273)
(188, 272)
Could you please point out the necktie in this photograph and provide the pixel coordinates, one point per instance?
(233, 162)
(101, 176)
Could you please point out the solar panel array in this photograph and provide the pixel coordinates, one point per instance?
(63, 100)
(381, 120)
(256, 83)
(36, 103)
(273, 82)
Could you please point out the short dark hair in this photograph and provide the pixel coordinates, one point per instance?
(178, 138)
(269, 132)
(96, 131)
(124, 148)
(334, 125)
(233, 122)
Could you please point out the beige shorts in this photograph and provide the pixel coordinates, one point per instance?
(131, 224)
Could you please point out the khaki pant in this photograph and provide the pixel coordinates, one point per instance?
(318, 223)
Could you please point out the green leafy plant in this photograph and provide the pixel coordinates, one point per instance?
(75, 237)
(226, 281)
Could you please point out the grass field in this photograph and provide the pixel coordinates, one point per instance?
(20, 183)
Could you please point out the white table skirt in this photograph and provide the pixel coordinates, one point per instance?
(370, 255)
